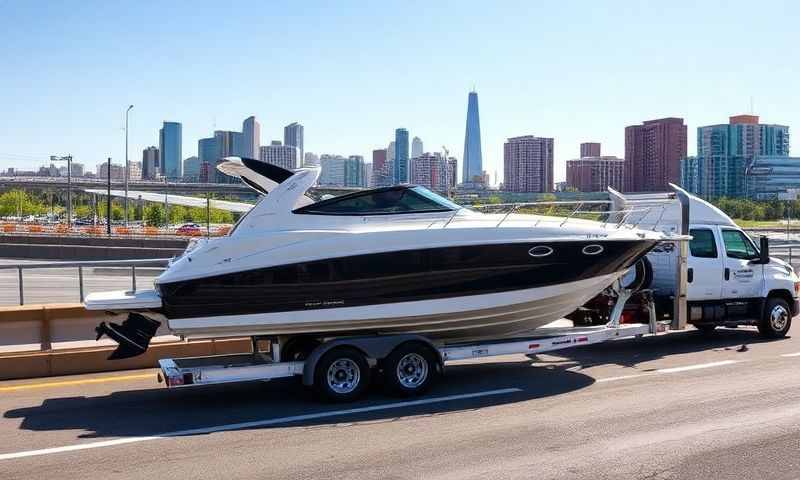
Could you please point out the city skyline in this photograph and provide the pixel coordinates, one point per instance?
(581, 86)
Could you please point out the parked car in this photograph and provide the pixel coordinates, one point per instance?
(188, 229)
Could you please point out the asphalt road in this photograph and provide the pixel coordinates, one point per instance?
(674, 406)
(60, 285)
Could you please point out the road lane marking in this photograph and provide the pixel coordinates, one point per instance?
(622, 377)
(791, 354)
(697, 367)
(254, 424)
(117, 378)
(687, 368)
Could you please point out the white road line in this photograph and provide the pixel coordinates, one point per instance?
(257, 423)
(697, 367)
(623, 377)
(671, 370)
(791, 354)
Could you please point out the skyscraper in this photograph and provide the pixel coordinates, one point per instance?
(595, 174)
(191, 169)
(354, 170)
(590, 149)
(150, 163)
(401, 155)
(170, 147)
(226, 144)
(293, 136)
(430, 170)
(207, 154)
(528, 163)
(284, 156)
(726, 151)
(333, 170)
(653, 154)
(416, 147)
(472, 169)
(381, 173)
(251, 131)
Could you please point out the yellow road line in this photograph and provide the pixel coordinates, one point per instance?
(65, 383)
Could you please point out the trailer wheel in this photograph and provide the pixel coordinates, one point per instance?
(342, 375)
(411, 369)
(776, 319)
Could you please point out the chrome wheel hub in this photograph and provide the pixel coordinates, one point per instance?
(778, 318)
(344, 376)
(412, 370)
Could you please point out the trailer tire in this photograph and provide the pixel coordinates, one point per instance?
(342, 375)
(776, 318)
(411, 369)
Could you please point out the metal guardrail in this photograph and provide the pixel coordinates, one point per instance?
(80, 266)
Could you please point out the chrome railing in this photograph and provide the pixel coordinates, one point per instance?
(21, 267)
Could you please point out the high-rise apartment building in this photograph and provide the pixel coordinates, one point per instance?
(285, 156)
(431, 171)
(332, 173)
(590, 149)
(251, 138)
(595, 174)
(725, 151)
(528, 162)
(416, 147)
(400, 156)
(117, 172)
(355, 171)
(191, 169)
(293, 136)
(472, 168)
(150, 163)
(382, 170)
(170, 146)
(653, 154)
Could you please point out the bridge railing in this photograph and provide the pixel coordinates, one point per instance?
(128, 265)
(134, 231)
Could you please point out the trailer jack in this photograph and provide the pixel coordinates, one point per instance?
(133, 336)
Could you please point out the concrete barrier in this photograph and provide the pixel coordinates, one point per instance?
(47, 340)
(66, 247)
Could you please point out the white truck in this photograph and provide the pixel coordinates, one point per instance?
(727, 279)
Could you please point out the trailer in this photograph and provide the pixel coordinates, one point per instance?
(340, 369)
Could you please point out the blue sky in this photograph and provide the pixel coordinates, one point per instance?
(352, 72)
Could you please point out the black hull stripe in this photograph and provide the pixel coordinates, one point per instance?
(392, 277)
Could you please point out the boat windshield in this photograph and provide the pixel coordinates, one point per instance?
(382, 201)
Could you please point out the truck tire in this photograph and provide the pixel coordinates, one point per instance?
(776, 319)
(707, 330)
(341, 375)
(410, 370)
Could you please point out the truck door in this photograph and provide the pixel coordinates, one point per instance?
(741, 278)
(705, 265)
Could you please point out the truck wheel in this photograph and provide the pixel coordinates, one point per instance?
(776, 319)
(341, 375)
(411, 369)
(706, 329)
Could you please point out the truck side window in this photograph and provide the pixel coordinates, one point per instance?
(702, 244)
(738, 245)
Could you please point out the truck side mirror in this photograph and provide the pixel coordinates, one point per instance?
(764, 250)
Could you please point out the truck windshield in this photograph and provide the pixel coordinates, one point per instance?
(738, 245)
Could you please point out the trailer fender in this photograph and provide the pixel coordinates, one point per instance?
(374, 348)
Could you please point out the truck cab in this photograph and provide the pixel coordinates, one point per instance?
(730, 280)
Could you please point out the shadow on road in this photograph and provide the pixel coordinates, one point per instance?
(631, 352)
(151, 412)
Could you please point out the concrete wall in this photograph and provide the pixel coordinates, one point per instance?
(49, 247)
(45, 340)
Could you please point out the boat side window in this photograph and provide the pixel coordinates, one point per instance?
(738, 245)
(702, 244)
(376, 202)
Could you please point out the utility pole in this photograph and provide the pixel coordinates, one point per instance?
(108, 200)
(127, 164)
(68, 159)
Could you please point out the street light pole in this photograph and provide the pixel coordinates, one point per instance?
(108, 200)
(127, 164)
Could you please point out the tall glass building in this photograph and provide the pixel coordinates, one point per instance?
(472, 168)
(726, 151)
(772, 177)
(293, 135)
(401, 156)
(170, 147)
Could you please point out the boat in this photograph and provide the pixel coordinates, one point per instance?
(397, 259)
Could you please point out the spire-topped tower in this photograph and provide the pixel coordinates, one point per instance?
(472, 167)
